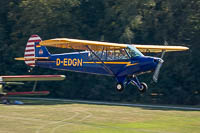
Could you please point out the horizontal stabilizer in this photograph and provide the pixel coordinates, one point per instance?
(32, 58)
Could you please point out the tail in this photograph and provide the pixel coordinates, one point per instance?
(35, 51)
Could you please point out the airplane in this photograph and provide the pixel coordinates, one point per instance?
(124, 62)
(19, 80)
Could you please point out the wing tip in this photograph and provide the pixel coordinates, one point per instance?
(187, 48)
(183, 48)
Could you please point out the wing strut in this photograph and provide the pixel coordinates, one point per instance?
(105, 67)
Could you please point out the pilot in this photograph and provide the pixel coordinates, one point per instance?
(123, 54)
(110, 55)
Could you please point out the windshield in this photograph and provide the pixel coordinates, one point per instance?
(133, 52)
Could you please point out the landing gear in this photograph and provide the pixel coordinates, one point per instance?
(30, 70)
(119, 87)
(122, 82)
(143, 88)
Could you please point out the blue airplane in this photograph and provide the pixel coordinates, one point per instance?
(124, 62)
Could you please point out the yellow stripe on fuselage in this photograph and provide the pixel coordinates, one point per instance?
(127, 63)
(106, 62)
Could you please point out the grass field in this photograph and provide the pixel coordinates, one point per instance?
(38, 116)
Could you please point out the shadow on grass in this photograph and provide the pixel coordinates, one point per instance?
(34, 101)
(46, 101)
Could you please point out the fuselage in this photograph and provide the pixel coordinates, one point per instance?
(82, 62)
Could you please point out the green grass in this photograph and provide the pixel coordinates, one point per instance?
(63, 117)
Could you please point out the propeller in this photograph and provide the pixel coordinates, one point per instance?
(160, 62)
(157, 70)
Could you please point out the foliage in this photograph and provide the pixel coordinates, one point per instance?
(138, 21)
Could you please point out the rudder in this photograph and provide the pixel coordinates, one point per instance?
(33, 50)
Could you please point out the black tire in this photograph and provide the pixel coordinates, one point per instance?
(119, 87)
(144, 87)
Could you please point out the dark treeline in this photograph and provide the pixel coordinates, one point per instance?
(121, 21)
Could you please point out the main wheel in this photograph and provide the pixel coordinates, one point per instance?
(144, 87)
(119, 87)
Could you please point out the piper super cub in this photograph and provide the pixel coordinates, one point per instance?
(124, 62)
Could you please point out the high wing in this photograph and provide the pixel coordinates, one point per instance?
(81, 44)
(159, 48)
(98, 46)
(31, 78)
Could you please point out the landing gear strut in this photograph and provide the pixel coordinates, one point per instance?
(121, 84)
(142, 87)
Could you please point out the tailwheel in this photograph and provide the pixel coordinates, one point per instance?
(143, 87)
(120, 87)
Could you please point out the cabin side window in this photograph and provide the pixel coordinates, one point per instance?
(100, 54)
(117, 54)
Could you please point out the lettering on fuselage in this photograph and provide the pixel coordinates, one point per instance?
(69, 62)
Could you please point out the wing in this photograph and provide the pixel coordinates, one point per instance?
(159, 48)
(31, 78)
(82, 44)
(99, 46)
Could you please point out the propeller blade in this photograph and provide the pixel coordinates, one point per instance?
(160, 62)
(163, 53)
(157, 71)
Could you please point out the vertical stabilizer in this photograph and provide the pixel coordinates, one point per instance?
(33, 49)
